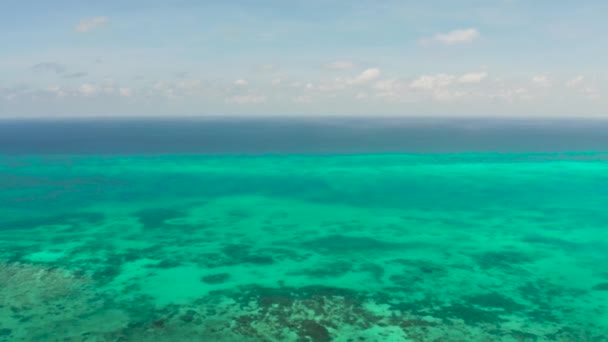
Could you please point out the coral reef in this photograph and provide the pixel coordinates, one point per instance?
(346, 249)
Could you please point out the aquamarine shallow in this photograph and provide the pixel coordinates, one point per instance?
(395, 247)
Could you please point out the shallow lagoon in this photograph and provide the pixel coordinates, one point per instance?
(394, 247)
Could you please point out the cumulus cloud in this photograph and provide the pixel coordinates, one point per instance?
(457, 36)
(165, 90)
(179, 89)
(367, 76)
(591, 93)
(389, 89)
(189, 84)
(50, 67)
(241, 83)
(302, 99)
(430, 82)
(580, 85)
(541, 81)
(454, 87)
(57, 91)
(385, 85)
(14, 92)
(450, 95)
(89, 24)
(365, 86)
(87, 89)
(445, 87)
(340, 65)
(266, 67)
(247, 99)
(125, 92)
(341, 83)
(473, 77)
(337, 84)
(575, 82)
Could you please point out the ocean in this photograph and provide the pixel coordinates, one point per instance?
(334, 229)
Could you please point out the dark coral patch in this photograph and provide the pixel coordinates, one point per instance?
(328, 270)
(601, 287)
(215, 278)
(524, 336)
(313, 331)
(71, 219)
(341, 244)
(470, 314)
(242, 254)
(156, 218)
(503, 259)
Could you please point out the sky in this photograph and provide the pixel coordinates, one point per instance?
(447, 58)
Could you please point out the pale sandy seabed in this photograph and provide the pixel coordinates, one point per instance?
(304, 248)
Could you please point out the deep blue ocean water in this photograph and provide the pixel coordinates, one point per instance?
(329, 135)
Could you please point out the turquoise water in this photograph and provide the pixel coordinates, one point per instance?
(454, 247)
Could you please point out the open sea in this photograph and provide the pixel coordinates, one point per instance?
(334, 229)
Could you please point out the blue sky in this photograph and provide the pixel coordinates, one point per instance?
(518, 58)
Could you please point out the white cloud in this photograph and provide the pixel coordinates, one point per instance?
(302, 99)
(176, 90)
(430, 82)
(541, 81)
(241, 83)
(591, 93)
(367, 76)
(457, 36)
(389, 89)
(437, 87)
(580, 85)
(57, 91)
(90, 24)
(87, 89)
(385, 85)
(125, 92)
(334, 85)
(473, 77)
(449, 87)
(248, 99)
(267, 67)
(575, 82)
(448, 95)
(188, 84)
(341, 83)
(340, 65)
(160, 85)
